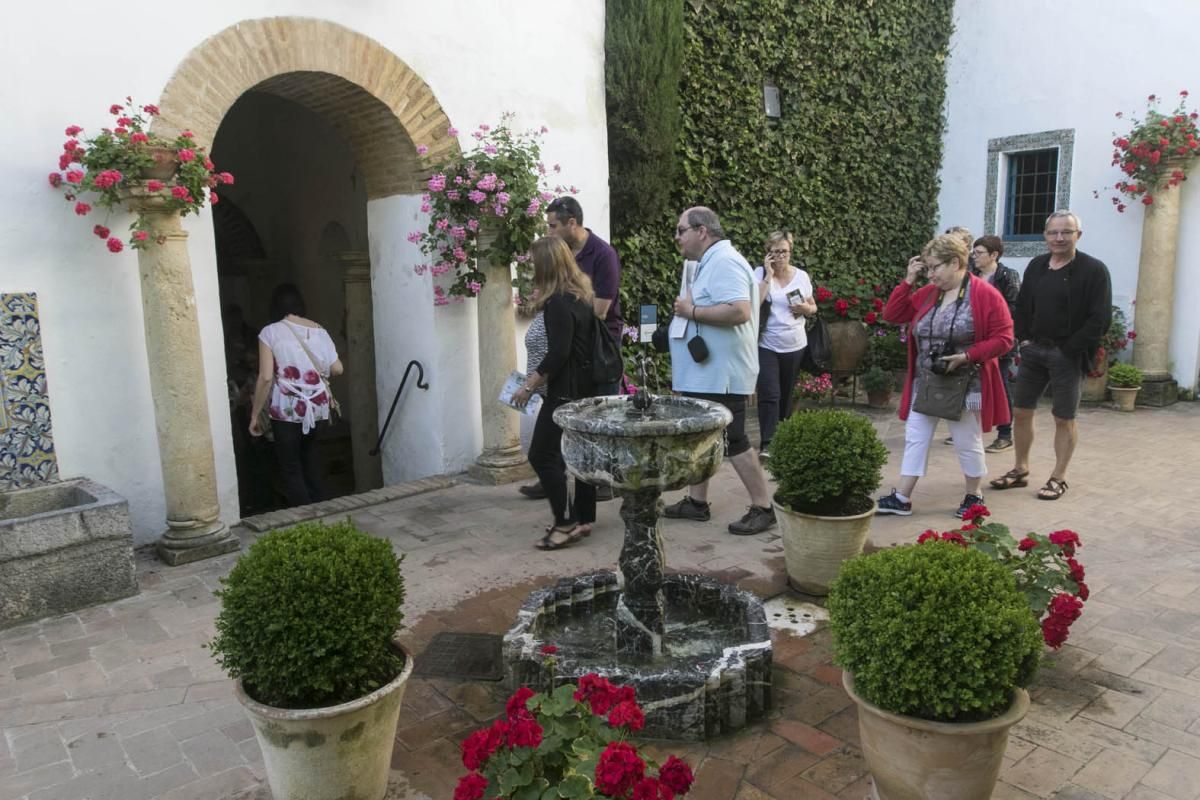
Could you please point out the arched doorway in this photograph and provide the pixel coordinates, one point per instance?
(351, 99)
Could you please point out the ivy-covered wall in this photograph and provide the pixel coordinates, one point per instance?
(851, 168)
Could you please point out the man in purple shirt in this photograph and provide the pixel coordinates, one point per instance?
(599, 261)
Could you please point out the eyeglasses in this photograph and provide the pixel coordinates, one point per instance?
(779, 252)
(1057, 234)
(939, 265)
(980, 253)
(682, 229)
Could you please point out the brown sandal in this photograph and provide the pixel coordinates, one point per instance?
(1012, 479)
(1053, 490)
(547, 542)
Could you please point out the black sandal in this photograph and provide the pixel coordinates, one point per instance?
(547, 542)
(1013, 479)
(1053, 489)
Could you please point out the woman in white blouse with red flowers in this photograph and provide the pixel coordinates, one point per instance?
(296, 358)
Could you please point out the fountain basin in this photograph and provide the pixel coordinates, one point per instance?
(679, 442)
(695, 691)
(63, 546)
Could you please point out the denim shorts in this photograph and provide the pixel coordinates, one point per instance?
(1046, 365)
(736, 440)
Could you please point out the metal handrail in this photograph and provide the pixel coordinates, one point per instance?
(421, 384)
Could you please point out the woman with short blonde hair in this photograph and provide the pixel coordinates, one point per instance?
(563, 294)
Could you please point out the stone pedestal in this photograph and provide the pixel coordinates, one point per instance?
(362, 402)
(640, 617)
(1156, 296)
(194, 527)
(501, 460)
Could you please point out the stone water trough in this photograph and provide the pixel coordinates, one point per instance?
(63, 546)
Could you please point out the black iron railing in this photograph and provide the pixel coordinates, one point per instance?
(421, 384)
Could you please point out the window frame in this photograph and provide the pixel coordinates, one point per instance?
(998, 184)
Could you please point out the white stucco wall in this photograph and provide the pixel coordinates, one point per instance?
(69, 73)
(1022, 66)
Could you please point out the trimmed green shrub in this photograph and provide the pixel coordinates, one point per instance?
(827, 462)
(643, 47)
(934, 631)
(876, 379)
(1124, 376)
(308, 614)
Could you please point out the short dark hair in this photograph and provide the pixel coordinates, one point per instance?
(566, 208)
(286, 299)
(990, 243)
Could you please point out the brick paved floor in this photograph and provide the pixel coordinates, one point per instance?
(120, 702)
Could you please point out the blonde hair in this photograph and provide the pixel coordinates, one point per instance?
(775, 237)
(555, 270)
(946, 248)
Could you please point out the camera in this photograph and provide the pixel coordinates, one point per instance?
(936, 353)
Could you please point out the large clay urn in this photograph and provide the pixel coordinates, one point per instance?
(848, 341)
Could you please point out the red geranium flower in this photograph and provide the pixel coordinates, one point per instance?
(650, 789)
(618, 769)
(524, 732)
(677, 775)
(929, 535)
(470, 787)
(1027, 544)
(549, 649)
(627, 714)
(516, 704)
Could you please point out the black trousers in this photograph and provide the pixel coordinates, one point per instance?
(299, 462)
(1005, 431)
(545, 456)
(776, 380)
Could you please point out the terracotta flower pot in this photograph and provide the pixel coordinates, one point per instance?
(333, 752)
(814, 547)
(848, 341)
(916, 759)
(164, 165)
(879, 398)
(1124, 397)
(1094, 388)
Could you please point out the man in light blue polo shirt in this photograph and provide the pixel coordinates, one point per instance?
(722, 306)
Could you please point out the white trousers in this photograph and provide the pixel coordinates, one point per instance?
(968, 443)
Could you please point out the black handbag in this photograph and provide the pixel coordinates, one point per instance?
(943, 396)
(818, 355)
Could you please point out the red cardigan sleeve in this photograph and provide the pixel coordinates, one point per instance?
(904, 303)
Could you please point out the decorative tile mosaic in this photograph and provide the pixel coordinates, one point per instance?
(26, 445)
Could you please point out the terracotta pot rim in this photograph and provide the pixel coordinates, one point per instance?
(1014, 714)
(789, 510)
(327, 712)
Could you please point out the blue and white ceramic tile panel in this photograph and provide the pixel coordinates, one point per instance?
(26, 445)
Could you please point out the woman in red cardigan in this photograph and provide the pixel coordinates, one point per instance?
(962, 322)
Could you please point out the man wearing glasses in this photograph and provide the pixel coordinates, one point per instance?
(1063, 309)
(721, 306)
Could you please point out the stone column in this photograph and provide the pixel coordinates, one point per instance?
(640, 608)
(1155, 297)
(194, 527)
(501, 460)
(362, 403)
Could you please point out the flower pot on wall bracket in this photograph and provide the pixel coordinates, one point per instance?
(848, 341)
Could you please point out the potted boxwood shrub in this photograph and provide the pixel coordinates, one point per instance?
(827, 463)
(936, 644)
(1124, 381)
(306, 627)
(878, 384)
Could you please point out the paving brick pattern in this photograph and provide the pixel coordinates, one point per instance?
(121, 701)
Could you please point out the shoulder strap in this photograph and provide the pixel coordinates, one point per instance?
(307, 352)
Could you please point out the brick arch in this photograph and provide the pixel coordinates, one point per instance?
(376, 101)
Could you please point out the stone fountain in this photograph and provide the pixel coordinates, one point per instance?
(697, 650)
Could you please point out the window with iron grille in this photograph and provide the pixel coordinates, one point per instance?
(1031, 192)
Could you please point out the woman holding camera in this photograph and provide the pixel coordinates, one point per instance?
(786, 294)
(956, 322)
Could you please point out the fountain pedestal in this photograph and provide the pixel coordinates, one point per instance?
(640, 615)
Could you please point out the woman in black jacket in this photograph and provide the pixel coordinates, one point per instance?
(564, 294)
(987, 252)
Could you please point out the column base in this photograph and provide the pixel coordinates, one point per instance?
(176, 550)
(501, 466)
(1158, 391)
